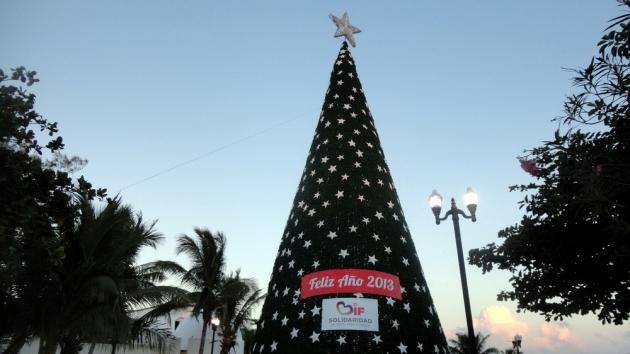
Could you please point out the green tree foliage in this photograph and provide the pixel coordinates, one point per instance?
(67, 272)
(207, 254)
(97, 284)
(37, 206)
(227, 297)
(237, 299)
(462, 345)
(143, 304)
(570, 254)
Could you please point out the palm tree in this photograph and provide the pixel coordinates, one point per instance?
(143, 294)
(238, 297)
(462, 345)
(207, 254)
(96, 282)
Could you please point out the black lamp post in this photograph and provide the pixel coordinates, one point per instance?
(215, 323)
(470, 200)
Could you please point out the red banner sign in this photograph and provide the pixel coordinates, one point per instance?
(334, 281)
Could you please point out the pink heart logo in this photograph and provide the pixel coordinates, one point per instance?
(344, 309)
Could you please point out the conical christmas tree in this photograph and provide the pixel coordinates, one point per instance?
(347, 278)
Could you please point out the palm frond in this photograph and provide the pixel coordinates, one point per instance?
(96, 285)
(153, 334)
(237, 299)
(157, 271)
(207, 254)
(189, 247)
(156, 295)
(462, 344)
(248, 306)
(193, 278)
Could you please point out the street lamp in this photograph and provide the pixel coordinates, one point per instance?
(470, 200)
(517, 344)
(215, 323)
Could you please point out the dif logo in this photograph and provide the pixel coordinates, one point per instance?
(348, 310)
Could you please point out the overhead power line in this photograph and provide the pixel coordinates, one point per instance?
(211, 152)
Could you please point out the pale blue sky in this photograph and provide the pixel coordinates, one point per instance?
(457, 89)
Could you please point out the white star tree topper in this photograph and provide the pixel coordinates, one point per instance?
(344, 28)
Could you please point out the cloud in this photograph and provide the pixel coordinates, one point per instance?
(555, 334)
(502, 324)
(556, 331)
(499, 321)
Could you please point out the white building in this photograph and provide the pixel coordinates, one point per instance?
(185, 328)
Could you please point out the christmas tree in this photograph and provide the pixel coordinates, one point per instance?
(347, 278)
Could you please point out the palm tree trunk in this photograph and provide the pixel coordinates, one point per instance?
(203, 334)
(49, 345)
(228, 341)
(225, 346)
(16, 343)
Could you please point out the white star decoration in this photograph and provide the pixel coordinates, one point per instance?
(344, 28)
